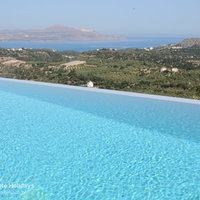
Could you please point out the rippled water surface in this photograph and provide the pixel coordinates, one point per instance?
(60, 144)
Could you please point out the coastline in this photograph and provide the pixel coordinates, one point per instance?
(81, 46)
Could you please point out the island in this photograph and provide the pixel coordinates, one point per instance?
(55, 33)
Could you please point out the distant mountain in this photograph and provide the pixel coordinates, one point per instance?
(54, 33)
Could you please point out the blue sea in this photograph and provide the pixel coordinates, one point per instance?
(139, 42)
(60, 143)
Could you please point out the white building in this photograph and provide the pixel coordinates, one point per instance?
(90, 84)
(175, 70)
(163, 69)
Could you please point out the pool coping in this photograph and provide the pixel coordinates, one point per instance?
(106, 91)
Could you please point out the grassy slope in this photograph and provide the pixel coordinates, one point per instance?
(131, 70)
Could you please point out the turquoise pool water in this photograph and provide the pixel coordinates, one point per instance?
(62, 143)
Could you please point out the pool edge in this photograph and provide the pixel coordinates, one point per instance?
(107, 91)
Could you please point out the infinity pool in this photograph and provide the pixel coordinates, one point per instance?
(70, 143)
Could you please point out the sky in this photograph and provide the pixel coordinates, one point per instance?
(119, 17)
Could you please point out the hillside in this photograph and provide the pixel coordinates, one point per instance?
(171, 72)
(54, 33)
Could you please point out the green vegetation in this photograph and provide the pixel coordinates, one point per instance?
(135, 70)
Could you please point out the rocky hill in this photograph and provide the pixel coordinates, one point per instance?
(54, 33)
(191, 42)
(187, 43)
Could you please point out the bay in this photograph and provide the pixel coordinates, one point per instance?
(139, 42)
